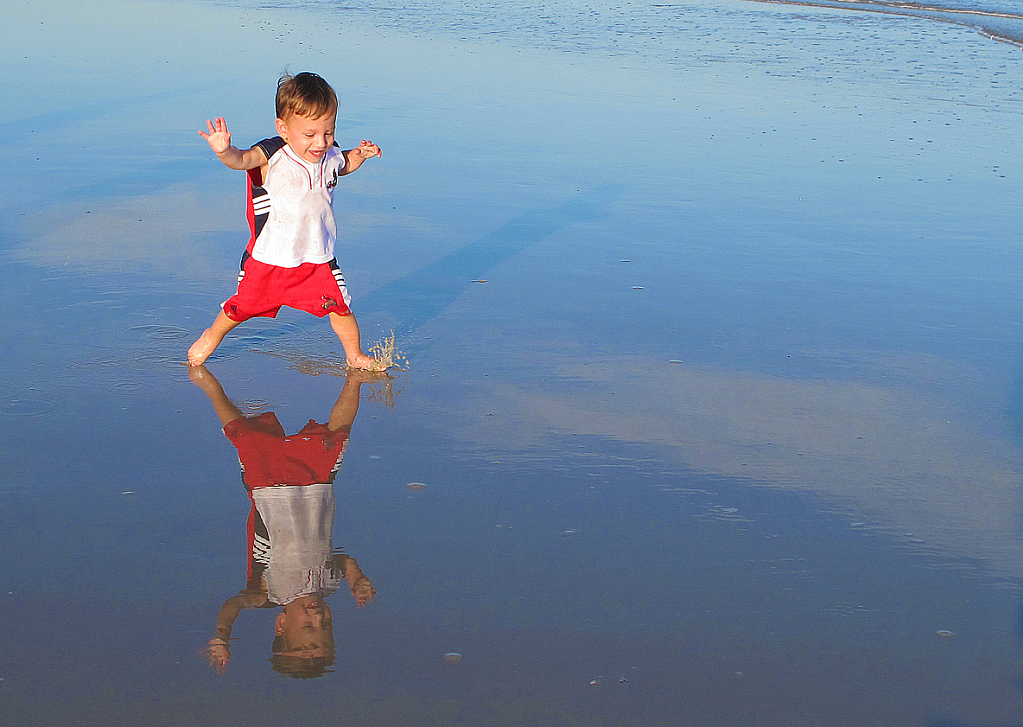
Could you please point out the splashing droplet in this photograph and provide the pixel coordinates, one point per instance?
(385, 353)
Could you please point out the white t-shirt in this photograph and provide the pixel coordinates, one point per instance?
(298, 197)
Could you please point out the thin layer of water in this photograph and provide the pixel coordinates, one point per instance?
(765, 464)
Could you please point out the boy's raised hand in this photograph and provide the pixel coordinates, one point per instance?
(356, 156)
(219, 137)
(367, 149)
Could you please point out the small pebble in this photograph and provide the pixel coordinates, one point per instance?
(416, 486)
(128, 492)
(568, 532)
(675, 361)
(944, 634)
(452, 657)
(375, 456)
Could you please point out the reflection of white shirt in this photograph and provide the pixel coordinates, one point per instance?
(300, 524)
(300, 227)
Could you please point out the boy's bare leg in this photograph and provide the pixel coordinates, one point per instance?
(347, 330)
(209, 340)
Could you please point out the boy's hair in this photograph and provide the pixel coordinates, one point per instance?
(306, 94)
(301, 667)
(297, 667)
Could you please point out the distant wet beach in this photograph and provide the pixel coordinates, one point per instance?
(1004, 25)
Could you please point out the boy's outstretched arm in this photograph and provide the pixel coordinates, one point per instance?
(218, 649)
(360, 585)
(355, 157)
(219, 139)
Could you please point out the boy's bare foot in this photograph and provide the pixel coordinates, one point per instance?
(209, 340)
(365, 362)
(202, 348)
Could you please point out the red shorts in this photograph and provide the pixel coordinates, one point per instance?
(317, 288)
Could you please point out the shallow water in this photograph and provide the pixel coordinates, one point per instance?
(712, 410)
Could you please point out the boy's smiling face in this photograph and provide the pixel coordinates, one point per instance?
(309, 138)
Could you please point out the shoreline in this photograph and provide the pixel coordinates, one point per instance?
(913, 10)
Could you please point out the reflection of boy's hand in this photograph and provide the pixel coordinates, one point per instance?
(219, 654)
(363, 591)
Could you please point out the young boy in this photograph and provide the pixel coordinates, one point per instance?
(290, 256)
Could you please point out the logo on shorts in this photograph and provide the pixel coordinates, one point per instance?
(328, 302)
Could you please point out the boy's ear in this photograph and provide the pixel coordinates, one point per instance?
(279, 624)
(282, 129)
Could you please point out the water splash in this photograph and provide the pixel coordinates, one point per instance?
(387, 355)
(382, 391)
(384, 352)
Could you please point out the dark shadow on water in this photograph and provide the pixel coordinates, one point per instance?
(421, 295)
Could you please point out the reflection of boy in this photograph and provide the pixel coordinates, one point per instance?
(290, 256)
(292, 563)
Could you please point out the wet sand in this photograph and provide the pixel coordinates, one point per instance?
(713, 332)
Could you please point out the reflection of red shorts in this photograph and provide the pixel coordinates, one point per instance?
(270, 457)
(317, 288)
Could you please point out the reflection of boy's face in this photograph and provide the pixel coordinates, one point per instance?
(306, 628)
